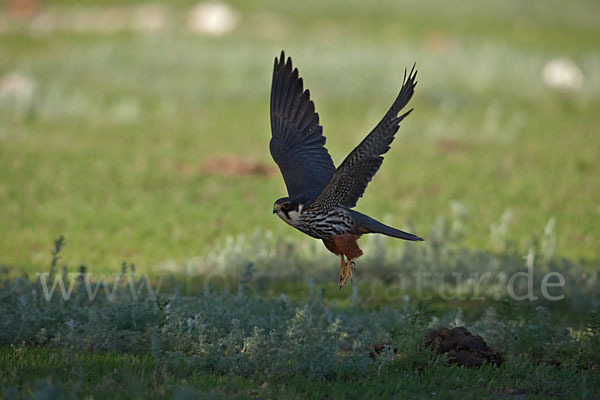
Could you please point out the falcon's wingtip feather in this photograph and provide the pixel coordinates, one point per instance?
(281, 57)
(412, 76)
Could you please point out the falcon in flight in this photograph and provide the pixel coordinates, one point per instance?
(321, 197)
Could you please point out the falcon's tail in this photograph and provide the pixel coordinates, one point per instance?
(367, 224)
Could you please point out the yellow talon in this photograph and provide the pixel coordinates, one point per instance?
(346, 269)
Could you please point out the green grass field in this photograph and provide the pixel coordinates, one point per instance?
(114, 116)
(108, 149)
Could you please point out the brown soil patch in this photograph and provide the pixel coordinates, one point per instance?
(231, 165)
(462, 347)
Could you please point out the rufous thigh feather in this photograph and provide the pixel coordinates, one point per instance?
(330, 244)
(346, 245)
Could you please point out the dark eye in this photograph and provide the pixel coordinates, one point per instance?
(285, 206)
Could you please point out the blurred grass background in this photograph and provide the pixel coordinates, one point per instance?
(115, 116)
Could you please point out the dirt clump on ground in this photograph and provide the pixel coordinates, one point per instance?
(462, 347)
(234, 166)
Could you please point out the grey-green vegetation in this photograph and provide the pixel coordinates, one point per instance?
(194, 339)
(107, 147)
(114, 117)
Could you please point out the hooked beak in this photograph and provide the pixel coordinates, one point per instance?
(275, 209)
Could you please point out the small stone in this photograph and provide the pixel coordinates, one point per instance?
(562, 73)
(212, 18)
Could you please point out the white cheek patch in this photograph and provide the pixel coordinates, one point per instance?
(293, 215)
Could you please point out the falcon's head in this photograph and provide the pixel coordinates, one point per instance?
(287, 209)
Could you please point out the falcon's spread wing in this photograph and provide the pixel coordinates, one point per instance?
(352, 176)
(297, 143)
